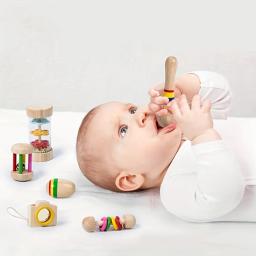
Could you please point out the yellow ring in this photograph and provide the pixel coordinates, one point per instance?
(114, 223)
(169, 94)
(50, 219)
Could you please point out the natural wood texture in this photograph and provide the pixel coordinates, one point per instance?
(24, 176)
(39, 111)
(63, 188)
(89, 223)
(42, 157)
(22, 148)
(170, 71)
(34, 211)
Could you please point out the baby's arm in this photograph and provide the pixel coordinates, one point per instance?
(212, 187)
(188, 84)
(209, 85)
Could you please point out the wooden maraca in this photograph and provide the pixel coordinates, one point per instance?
(128, 221)
(170, 71)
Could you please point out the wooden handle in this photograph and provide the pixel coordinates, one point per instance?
(170, 71)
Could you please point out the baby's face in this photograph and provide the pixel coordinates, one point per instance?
(127, 135)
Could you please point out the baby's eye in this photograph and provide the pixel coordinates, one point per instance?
(132, 110)
(123, 130)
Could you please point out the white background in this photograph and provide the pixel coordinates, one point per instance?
(78, 54)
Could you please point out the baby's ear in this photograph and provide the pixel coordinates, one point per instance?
(128, 181)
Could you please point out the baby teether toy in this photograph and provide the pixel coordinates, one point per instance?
(22, 167)
(59, 188)
(109, 223)
(40, 214)
(39, 135)
(170, 71)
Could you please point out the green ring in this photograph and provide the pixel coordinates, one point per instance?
(109, 221)
(55, 187)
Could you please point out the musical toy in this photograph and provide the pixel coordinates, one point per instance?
(59, 188)
(40, 132)
(170, 71)
(109, 223)
(22, 162)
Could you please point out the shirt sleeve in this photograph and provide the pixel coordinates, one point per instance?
(214, 187)
(215, 87)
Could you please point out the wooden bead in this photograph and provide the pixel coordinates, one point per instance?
(59, 188)
(89, 224)
(129, 221)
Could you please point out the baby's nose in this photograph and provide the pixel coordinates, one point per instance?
(142, 117)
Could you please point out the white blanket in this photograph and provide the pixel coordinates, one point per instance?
(156, 232)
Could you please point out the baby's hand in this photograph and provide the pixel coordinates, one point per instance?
(193, 121)
(157, 101)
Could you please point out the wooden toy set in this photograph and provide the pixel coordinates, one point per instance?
(39, 149)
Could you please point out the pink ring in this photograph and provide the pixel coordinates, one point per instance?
(104, 225)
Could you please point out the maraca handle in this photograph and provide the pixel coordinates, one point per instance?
(170, 71)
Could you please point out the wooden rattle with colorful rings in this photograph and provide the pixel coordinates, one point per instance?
(22, 165)
(109, 223)
(170, 71)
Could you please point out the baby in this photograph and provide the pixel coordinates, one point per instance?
(121, 148)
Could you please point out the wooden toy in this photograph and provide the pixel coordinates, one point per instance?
(170, 71)
(22, 167)
(109, 223)
(39, 132)
(59, 188)
(42, 214)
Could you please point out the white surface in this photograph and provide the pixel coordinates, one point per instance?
(77, 54)
(157, 231)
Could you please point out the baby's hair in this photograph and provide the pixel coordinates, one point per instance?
(91, 163)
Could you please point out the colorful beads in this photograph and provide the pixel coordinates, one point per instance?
(108, 221)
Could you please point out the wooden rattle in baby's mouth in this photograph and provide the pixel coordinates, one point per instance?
(127, 221)
(170, 71)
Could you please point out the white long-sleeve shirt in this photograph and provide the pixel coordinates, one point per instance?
(216, 180)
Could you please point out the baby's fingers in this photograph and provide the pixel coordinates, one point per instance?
(206, 107)
(153, 93)
(160, 100)
(162, 112)
(174, 108)
(154, 107)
